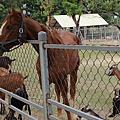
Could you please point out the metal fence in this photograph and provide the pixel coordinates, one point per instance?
(94, 88)
(106, 34)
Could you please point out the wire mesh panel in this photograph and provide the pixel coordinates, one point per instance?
(93, 88)
(25, 63)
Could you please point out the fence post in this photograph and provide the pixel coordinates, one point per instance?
(9, 100)
(47, 109)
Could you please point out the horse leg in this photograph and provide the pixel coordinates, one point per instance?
(73, 80)
(64, 91)
(57, 90)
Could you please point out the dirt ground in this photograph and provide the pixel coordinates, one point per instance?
(39, 115)
(35, 113)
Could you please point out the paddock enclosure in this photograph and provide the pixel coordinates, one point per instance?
(94, 88)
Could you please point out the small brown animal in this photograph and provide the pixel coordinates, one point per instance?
(11, 82)
(116, 103)
(5, 65)
(5, 69)
(116, 100)
(18, 104)
(89, 111)
(113, 70)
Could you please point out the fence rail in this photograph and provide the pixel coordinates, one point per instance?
(93, 88)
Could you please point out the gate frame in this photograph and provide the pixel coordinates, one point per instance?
(47, 102)
(43, 53)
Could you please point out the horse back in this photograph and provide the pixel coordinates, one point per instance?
(69, 38)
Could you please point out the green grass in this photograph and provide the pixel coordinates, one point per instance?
(93, 87)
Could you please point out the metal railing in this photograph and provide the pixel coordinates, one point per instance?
(47, 101)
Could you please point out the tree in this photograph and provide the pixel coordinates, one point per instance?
(42, 10)
(4, 5)
(33, 7)
(35, 10)
(2, 13)
(106, 8)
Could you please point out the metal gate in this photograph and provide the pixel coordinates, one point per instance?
(93, 88)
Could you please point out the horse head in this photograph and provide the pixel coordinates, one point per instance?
(16, 28)
(12, 31)
(111, 70)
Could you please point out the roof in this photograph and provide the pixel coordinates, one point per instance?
(91, 20)
(63, 21)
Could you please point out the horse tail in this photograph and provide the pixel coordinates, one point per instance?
(77, 40)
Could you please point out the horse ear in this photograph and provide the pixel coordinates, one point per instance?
(14, 11)
(9, 11)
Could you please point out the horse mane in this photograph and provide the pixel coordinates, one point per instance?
(53, 36)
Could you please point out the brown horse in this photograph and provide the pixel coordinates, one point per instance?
(17, 27)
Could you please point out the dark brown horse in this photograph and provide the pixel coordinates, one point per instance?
(16, 28)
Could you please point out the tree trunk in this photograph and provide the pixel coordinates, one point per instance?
(48, 13)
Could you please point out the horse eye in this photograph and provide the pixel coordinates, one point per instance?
(9, 27)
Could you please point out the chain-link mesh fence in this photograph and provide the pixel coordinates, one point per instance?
(94, 88)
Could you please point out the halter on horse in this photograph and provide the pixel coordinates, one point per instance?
(61, 62)
(2, 46)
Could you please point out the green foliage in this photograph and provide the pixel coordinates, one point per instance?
(1, 7)
(40, 9)
(3, 13)
(58, 8)
(106, 8)
(4, 5)
(34, 10)
(71, 6)
(33, 7)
